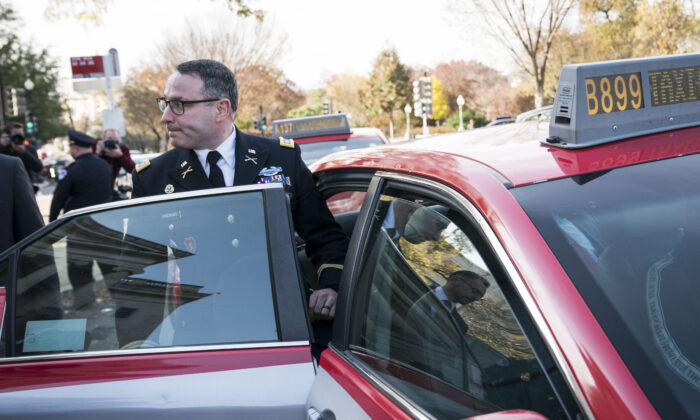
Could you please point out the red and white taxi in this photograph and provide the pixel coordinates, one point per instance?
(321, 135)
(515, 272)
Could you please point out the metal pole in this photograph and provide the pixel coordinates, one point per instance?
(407, 110)
(425, 125)
(109, 72)
(461, 123)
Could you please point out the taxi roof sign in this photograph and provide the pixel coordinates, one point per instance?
(318, 125)
(601, 102)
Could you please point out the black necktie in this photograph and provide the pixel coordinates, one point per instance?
(216, 177)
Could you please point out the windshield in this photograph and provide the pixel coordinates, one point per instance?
(629, 240)
(311, 152)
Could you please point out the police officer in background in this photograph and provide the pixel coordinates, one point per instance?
(88, 179)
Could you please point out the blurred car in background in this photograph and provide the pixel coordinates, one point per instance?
(537, 114)
(322, 135)
(501, 119)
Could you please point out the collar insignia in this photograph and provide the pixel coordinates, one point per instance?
(188, 170)
(251, 159)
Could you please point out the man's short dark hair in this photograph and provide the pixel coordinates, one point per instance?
(470, 275)
(219, 81)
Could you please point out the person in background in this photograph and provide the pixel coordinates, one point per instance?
(117, 154)
(13, 143)
(88, 181)
(19, 212)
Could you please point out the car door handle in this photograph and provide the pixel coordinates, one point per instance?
(314, 414)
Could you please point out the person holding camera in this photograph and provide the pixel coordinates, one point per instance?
(13, 143)
(116, 153)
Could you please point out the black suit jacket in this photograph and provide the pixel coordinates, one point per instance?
(88, 181)
(19, 213)
(29, 158)
(179, 170)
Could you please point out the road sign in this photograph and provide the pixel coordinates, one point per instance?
(91, 72)
(86, 67)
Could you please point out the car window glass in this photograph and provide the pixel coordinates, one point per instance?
(186, 272)
(430, 318)
(346, 201)
(311, 152)
(628, 239)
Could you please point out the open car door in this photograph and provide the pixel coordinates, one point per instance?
(182, 305)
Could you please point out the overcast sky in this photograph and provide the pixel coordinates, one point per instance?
(325, 37)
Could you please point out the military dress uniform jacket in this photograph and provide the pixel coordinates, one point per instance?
(179, 170)
(19, 213)
(88, 181)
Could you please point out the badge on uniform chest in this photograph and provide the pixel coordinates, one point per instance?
(271, 175)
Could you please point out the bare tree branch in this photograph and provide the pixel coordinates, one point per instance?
(525, 28)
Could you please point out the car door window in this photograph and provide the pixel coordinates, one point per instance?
(170, 273)
(430, 318)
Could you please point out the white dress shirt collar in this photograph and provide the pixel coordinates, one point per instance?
(227, 149)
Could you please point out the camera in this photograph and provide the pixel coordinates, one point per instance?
(111, 144)
(17, 139)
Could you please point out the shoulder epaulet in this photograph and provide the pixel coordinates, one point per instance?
(284, 142)
(143, 166)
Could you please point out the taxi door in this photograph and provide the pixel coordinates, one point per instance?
(401, 349)
(179, 306)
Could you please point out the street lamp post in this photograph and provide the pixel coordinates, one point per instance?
(407, 109)
(29, 85)
(460, 104)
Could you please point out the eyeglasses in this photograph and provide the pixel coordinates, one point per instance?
(177, 106)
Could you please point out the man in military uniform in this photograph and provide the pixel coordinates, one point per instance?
(88, 181)
(199, 106)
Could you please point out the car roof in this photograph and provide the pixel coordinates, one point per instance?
(513, 152)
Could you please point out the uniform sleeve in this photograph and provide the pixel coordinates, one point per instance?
(326, 244)
(136, 185)
(60, 195)
(26, 215)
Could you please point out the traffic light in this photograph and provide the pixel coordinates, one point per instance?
(263, 124)
(35, 120)
(326, 108)
(427, 89)
(257, 124)
(29, 124)
(416, 90)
